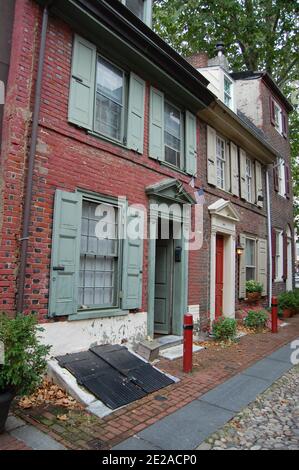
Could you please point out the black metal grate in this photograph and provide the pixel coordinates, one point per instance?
(114, 375)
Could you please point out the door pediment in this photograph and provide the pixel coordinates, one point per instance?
(225, 210)
(172, 190)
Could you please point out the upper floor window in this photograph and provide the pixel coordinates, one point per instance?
(173, 135)
(136, 6)
(221, 163)
(249, 180)
(228, 87)
(278, 117)
(110, 100)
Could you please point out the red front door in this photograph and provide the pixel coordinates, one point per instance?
(219, 276)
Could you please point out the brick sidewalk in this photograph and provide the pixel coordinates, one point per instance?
(211, 367)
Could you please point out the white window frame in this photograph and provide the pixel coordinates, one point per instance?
(255, 258)
(182, 152)
(147, 4)
(281, 177)
(277, 117)
(221, 162)
(279, 256)
(123, 137)
(229, 96)
(249, 179)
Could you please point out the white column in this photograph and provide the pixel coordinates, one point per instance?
(213, 276)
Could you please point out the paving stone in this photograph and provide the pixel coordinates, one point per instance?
(36, 439)
(268, 369)
(136, 443)
(236, 393)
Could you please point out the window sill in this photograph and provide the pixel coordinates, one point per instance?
(172, 167)
(94, 314)
(106, 139)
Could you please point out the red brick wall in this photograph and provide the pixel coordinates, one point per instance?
(282, 208)
(67, 158)
(198, 60)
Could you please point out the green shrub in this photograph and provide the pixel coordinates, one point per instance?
(225, 328)
(254, 286)
(25, 358)
(256, 319)
(287, 300)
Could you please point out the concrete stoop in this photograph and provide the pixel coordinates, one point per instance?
(169, 347)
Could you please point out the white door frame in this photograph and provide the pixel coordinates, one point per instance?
(223, 222)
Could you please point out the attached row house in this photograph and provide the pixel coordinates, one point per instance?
(105, 127)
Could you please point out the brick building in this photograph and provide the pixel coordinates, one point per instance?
(105, 126)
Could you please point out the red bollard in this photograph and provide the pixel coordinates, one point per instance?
(274, 315)
(188, 343)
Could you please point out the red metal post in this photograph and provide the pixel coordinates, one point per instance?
(274, 315)
(188, 343)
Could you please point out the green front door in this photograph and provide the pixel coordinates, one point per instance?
(163, 286)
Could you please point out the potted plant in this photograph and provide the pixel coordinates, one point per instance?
(24, 362)
(286, 303)
(254, 291)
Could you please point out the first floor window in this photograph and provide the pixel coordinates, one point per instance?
(98, 256)
(279, 256)
(250, 254)
(173, 135)
(221, 160)
(109, 115)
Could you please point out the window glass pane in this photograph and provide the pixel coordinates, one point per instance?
(137, 7)
(109, 100)
(250, 252)
(250, 274)
(173, 123)
(98, 257)
(220, 152)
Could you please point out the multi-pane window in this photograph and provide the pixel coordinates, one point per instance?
(173, 123)
(136, 6)
(228, 92)
(110, 98)
(277, 117)
(221, 160)
(98, 256)
(281, 177)
(248, 178)
(279, 256)
(250, 253)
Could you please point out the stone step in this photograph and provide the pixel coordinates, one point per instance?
(169, 341)
(150, 350)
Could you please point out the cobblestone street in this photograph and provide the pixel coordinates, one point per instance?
(271, 422)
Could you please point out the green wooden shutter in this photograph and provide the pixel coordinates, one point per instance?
(133, 260)
(136, 113)
(242, 269)
(211, 155)
(191, 144)
(243, 174)
(234, 169)
(82, 88)
(262, 265)
(259, 183)
(65, 254)
(156, 132)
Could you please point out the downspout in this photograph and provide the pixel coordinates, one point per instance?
(31, 161)
(269, 234)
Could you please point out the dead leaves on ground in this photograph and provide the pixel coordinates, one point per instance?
(50, 394)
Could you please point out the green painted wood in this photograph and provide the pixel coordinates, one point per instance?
(163, 286)
(191, 144)
(156, 131)
(82, 87)
(136, 113)
(65, 254)
(133, 261)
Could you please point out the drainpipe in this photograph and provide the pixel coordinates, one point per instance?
(31, 160)
(269, 234)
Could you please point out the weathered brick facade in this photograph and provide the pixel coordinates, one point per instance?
(69, 158)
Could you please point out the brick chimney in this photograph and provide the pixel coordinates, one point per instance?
(198, 60)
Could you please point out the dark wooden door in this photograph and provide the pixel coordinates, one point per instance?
(219, 276)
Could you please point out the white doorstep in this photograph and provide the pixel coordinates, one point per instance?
(177, 351)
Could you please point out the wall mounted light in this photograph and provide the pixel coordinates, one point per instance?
(239, 249)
